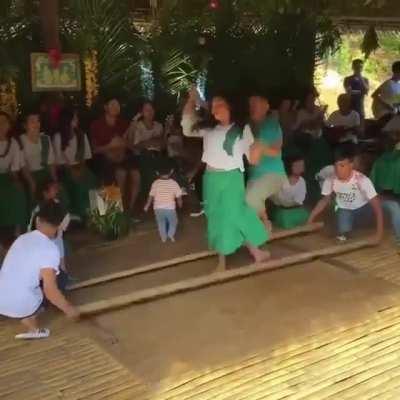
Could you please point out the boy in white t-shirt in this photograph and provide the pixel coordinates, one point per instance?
(31, 262)
(165, 193)
(354, 193)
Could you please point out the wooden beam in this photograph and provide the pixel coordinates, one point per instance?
(157, 266)
(216, 278)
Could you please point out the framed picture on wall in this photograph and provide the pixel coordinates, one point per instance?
(45, 78)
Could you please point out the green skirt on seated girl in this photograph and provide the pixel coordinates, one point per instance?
(385, 174)
(287, 211)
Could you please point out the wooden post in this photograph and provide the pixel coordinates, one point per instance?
(216, 278)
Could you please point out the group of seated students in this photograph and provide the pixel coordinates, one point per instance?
(113, 151)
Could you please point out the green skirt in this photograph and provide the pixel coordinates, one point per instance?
(13, 204)
(385, 173)
(231, 223)
(78, 192)
(288, 218)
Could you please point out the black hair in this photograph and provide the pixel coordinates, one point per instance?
(32, 111)
(357, 61)
(236, 116)
(396, 67)
(290, 160)
(51, 212)
(109, 98)
(347, 151)
(45, 186)
(165, 167)
(66, 117)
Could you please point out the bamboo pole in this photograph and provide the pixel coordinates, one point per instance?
(216, 278)
(157, 266)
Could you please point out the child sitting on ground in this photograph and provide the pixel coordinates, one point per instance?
(49, 191)
(355, 197)
(165, 193)
(289, 211)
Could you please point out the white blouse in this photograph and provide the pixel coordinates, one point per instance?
(291, 195)
(214, 154)
(68, 156)
(13, 160)
(32, 153)
(138, 133)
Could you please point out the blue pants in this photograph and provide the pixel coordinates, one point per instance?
(167, 221)
(345, 218)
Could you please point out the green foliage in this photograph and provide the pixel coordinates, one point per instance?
(113, 225)
(105, 26)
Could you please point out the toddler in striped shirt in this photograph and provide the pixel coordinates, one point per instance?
(165, 193)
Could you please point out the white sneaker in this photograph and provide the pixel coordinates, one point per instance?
(172, 239)
(197, 214)
(341, 238)
(36, 334)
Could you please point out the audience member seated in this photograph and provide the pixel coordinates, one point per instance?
(344, 124)
(13, 204)
(39, 159)
(386, 102)
(308, 139)
(287, 117)
(146, 139)
(72, 150)
(385, 172)
(113, 160)
(289, 211)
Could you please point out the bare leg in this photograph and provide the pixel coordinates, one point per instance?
(134, 182)
(31, 323)
(267, 223)
(221, 263)
(120, 177)
(258, 254)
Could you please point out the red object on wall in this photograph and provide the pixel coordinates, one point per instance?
(55, 57)
(214, 4)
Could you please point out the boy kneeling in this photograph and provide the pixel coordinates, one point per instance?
(31, 260)
(355, 196)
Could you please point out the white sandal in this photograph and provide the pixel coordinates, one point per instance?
(36, 334)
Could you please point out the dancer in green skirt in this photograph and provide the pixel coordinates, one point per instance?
(13, 203)
(231, 223)
(72, 150)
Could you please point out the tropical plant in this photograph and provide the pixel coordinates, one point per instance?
(106, 27)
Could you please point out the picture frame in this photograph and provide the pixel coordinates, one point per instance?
(45, 78)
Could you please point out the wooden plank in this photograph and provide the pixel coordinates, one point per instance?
(157, 266)
(216, 278)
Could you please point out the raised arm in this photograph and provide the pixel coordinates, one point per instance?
(189, 116)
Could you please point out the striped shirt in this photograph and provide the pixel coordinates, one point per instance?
(165, 192)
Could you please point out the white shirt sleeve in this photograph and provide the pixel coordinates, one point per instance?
(50, 257)
(367, 187)
(300, 192)
(88, 150)
(153, 190)
(327, 187)
(188, 120)
(248, 140)
(16, 156)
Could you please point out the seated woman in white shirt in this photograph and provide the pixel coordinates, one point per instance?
(13, 203)
(344, 124)
(145, 137)
(39, 159)
(231, 223)
(21, 296)
(72, 151)
(289, 211)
